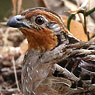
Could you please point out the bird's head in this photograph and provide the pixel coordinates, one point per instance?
(40, 26)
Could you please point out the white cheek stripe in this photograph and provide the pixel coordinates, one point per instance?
(57, 29)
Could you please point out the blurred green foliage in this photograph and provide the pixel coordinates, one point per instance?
(6, 7)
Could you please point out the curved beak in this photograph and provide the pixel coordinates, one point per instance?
(17, 22)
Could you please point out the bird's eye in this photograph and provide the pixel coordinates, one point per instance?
(39, 20)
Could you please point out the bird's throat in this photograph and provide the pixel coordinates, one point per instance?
(40, 41)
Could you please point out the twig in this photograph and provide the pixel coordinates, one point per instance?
(85, 13)
(69, 21)
(15, 74)
(85, 26)
(90, 11)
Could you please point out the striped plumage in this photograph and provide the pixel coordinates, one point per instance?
(44, 31)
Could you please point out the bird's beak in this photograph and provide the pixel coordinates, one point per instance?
(17, 22)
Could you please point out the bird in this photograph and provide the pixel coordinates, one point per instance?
(44, 30)
(39, 19)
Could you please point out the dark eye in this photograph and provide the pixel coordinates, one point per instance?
(39, 20)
